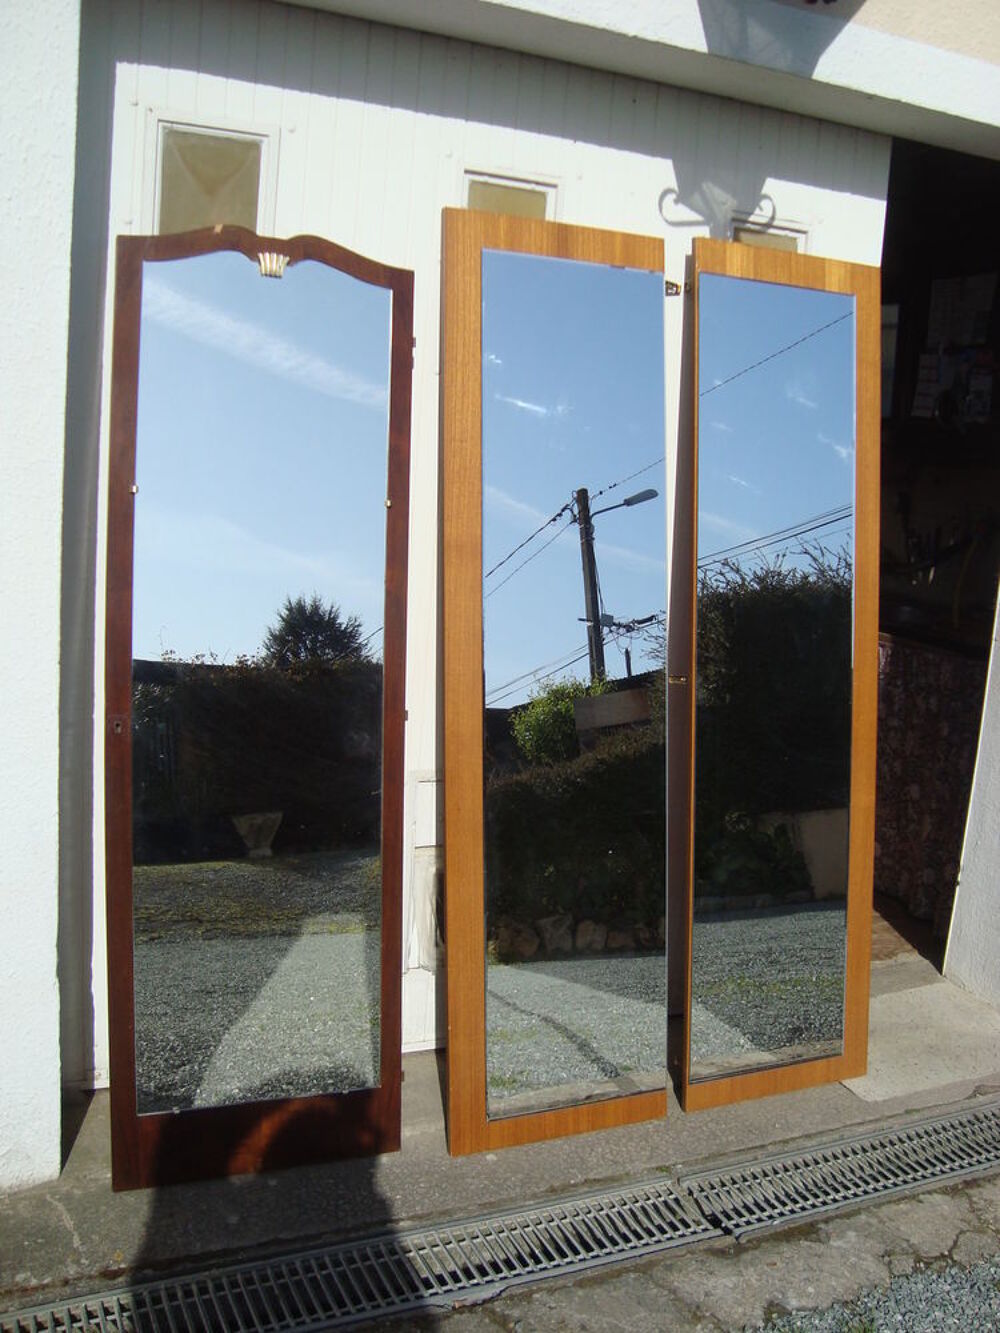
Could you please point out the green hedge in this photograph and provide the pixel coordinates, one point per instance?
(773, 720)
(774, 689)
(585, 835)
(218, 741)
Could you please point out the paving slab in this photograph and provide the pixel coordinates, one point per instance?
(729, 1286)
(928, 1037)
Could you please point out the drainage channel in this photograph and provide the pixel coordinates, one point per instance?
(470, 1261)
(753, 1195)
(389, 1274)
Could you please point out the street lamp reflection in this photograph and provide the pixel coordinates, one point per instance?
(583, 516)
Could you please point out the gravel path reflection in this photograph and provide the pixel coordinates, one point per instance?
(574, 1022)
(256, 980)
(767, 982)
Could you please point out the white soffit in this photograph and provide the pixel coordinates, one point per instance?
(797, 59)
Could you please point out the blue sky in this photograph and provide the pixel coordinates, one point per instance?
(262, 447)
(261, 451)
(775, 443)
(572, 397)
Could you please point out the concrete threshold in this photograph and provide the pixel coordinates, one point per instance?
(74, 1236)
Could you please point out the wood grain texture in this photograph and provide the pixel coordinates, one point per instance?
(193, 1144)
(863, 283)
(465, 236)
(126, 1155)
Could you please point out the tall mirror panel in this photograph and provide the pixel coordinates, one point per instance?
(573, 624)
(773, 672)
(256, 640)
(554, 549)
(783, 660)
(257, 681)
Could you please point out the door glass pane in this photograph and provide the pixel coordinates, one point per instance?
(573, 559)
(257, 681)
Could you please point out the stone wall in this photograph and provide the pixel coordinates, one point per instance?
(929, 705)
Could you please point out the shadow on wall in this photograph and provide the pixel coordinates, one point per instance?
(81, 1061)
(779, 35)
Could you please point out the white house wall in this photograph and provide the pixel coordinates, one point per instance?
(973, 955)
(39, 73)
(375, 128)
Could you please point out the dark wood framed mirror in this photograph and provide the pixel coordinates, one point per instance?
(256, 627)
(783, 672)
(555, 801)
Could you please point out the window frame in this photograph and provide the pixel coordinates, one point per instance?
(159, 120)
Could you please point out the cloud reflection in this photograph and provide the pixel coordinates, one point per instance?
(255, 345)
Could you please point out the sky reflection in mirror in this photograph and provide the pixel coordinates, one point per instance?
(263, 410)
(572, 397)
(775, 419)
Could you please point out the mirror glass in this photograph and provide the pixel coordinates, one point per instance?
(775, 522)
(573, 611)
(257, 681)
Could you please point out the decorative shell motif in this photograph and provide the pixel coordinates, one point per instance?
(272, 264)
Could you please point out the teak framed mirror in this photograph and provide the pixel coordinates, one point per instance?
(555, 809)
(256, 623)
(783, 672)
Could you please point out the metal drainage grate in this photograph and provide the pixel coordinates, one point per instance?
(777, 1189)
(385, 1275)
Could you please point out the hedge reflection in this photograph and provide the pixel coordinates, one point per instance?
(211, 742)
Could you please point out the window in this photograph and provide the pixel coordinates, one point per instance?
(207, 178)
(521, 199)
(768, 240)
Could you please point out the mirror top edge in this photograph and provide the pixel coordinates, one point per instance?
(553, 240)
(757, 263)
(225, 238)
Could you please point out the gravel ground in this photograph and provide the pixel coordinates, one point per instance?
(766, 982)
(574, 1021)
(930, 1300)
(256, 980)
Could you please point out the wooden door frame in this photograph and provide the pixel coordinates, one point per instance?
(465, 236)
(730, 259)
(162, 1148)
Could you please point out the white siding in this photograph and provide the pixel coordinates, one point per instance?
(973, 955)
(377, 127)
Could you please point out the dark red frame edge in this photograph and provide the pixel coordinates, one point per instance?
(197, 1144)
